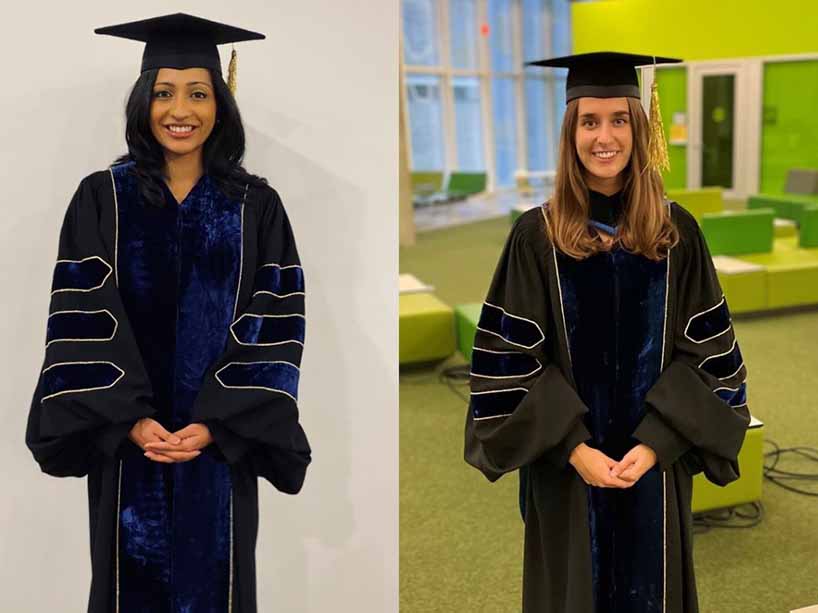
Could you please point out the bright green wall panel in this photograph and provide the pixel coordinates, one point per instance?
(696, 29)
(789, 131)
(672, 83)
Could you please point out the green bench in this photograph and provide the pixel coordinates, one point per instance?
(744, 284)
(739, 232)
(787, 206)
(792, 274)
(425, 329)
(461, 185)
(426, 183)
(699, 201)
(466, 317)
(808, 234)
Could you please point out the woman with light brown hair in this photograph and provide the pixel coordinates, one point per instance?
(605, 365)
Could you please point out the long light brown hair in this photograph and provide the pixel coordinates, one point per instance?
(645, 228)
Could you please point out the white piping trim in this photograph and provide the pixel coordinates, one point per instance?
(512, 389)
(690, 321)
(89, 389)
(255, 387)
(241, 253)
(80, 340)
(536, 325)
(116, 229)
(264, 344)
(667, 297)
(562, 310)
(528, 374)
(118, 501)
(264, 291)
(76, 289)
(280, 267)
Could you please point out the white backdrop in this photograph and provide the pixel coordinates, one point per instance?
(319, 103)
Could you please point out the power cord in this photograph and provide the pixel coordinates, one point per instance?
(778, 476)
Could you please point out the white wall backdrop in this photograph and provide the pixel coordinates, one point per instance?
(319, 102)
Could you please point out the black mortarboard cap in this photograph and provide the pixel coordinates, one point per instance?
(603, 74)
(180, 40)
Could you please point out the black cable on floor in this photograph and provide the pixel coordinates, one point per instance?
(455, 378)
(732, 518)
(778, 476)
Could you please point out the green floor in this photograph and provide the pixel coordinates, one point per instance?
(461, 537)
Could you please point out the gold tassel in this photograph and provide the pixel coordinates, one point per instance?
(657, 146)
(231, 73)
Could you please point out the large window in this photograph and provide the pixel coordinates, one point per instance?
(471, 103)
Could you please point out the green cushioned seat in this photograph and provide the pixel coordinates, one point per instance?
(746, 292)
(466, 183)
(788, 206)
(808, 233)
(739, 232)
(747, 488)
(426, 183)
(699, 201)
(426, 328)
(784, 228)
(466, 317)
(792, 274)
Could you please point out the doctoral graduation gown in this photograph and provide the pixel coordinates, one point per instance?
(612, 351)
(190, 313)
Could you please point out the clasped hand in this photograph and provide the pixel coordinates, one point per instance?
(599, 470)
(170, 447)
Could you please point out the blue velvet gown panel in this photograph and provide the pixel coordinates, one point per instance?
(178, 269)
(614, 307)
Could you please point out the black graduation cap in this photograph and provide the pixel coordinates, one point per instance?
(180, 40)
(602, 74)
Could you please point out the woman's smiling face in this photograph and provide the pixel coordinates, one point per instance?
(183, 109)
(604, 139)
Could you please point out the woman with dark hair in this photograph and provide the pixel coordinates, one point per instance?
(605, 364)
(174, 341)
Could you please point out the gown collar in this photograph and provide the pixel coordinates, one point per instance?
(606, 211)
(197, 187)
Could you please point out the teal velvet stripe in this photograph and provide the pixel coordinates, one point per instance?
(709, 324)
(271, 376)
(279, 281)
(252, 329)
(488, 405)
(725, 365)
(80, 276)
(73, 377)
(511, 328)
(80, 326)
(494, 364)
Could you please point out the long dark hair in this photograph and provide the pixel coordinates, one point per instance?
(222, 152)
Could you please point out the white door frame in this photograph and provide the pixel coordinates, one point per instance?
(746, 117)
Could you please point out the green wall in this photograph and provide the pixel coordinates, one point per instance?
(696, 29)
(789, 129)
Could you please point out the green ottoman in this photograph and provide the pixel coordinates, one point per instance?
(792, 274)
(426, 329)
(739, 232)
(744, 284)
(808, 235)
(789, 206)
(747, 488)
(466, 317)
(698, 201)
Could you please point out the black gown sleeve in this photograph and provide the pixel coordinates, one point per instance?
(248, 398)
(521, 406)
(697, 411)
(93, 386)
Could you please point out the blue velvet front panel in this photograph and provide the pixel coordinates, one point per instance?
(83, 276)
(178, 269)
(614, 305)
